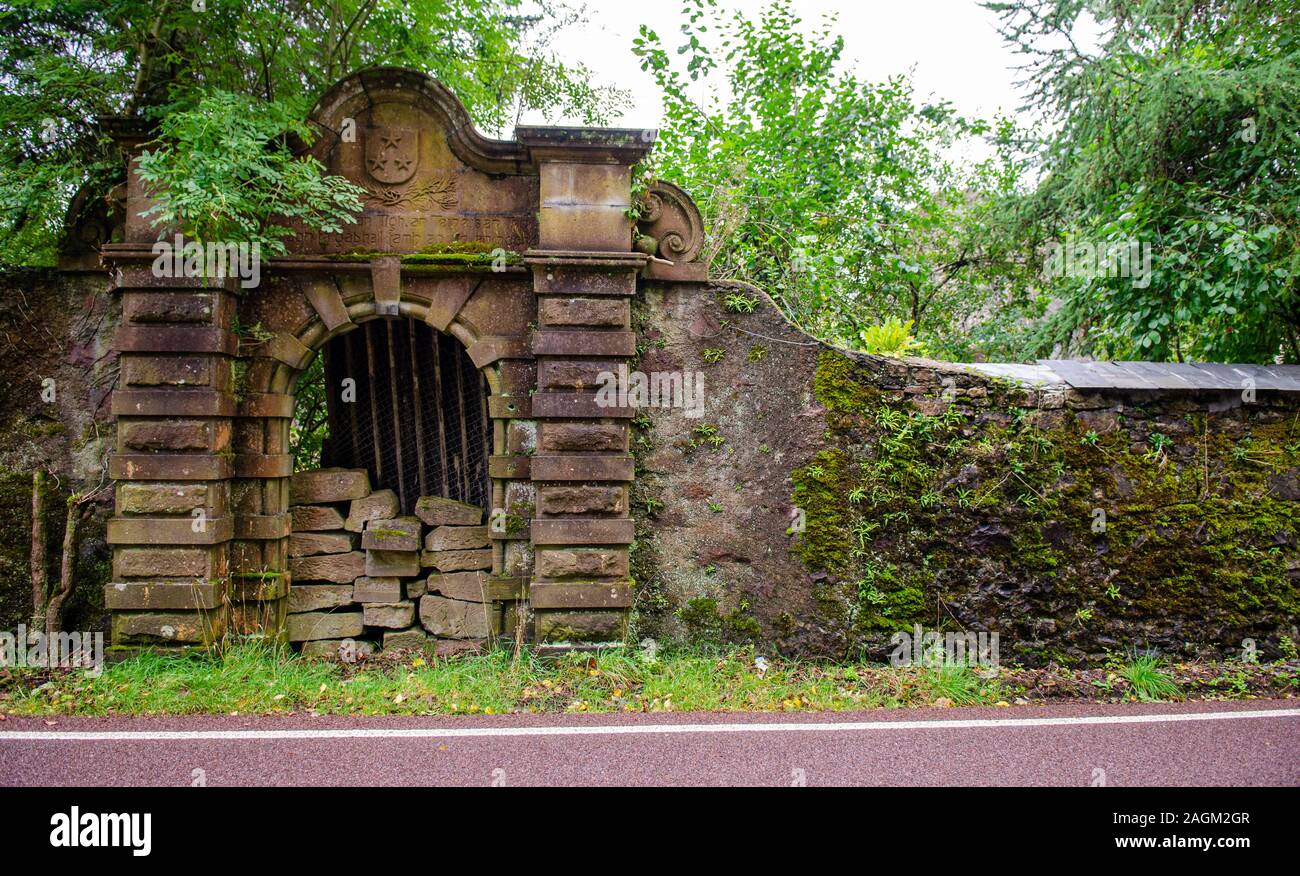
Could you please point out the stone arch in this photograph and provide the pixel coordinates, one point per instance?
(290, 321)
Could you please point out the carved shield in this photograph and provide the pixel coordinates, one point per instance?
(391, 154)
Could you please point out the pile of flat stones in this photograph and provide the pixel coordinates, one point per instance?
(364, 576)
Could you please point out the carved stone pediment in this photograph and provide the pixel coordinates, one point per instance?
(430, 180)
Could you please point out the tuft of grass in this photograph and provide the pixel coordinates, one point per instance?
(1149, 681)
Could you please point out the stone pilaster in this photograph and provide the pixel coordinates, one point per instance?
(174, 406)
(584, 276)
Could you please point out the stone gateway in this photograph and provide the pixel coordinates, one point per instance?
(809, 498)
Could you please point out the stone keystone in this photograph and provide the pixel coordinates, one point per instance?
(456, 538)
(394, 534)
(379, 505)
(328, 485)
(437, 511)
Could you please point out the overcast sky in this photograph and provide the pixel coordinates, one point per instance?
(951, 45)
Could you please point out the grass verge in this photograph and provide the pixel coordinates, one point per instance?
(257, 679)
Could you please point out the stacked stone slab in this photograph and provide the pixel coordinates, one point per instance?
(325, 560)
(457, 604)
(359, 569)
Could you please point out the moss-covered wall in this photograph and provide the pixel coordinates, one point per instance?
(56, 326)
(825, 500)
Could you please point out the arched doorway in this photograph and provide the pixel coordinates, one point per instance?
(405, 403)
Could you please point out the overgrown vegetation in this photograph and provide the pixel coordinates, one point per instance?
(1177, 134)
(912, 510)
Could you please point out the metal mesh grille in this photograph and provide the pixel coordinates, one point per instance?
(419, 422)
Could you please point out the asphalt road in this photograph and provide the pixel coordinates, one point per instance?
(1242, 743)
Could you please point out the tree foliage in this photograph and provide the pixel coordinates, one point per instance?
(844, 198)
(64, 63)
(1180, 131)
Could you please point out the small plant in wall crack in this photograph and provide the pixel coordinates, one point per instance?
(736, 302)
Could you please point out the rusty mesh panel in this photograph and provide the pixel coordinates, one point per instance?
(419, 424)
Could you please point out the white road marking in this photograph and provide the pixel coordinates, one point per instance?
(620, 729)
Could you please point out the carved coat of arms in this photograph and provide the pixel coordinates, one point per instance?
(392, 154)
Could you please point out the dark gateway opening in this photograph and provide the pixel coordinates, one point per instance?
(407, 404)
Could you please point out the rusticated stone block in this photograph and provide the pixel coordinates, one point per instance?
(415, 588)
(583, 467)
(188, 628)
(580, 626)
(394, 534)
(167, 370)
(336, 568)
(583, 500)
(318, 597)
(348, 650)
(437, 511)
(160, 498)
(414, 639)
(456, 538)
(328, 485)
(575, 374)
(585, 312)
(172, 435)
(392, 564)
(313, 518)
(379, 505)
(162, 595)
(389, 615)
(457, 561)
(168, 307)
(582, 563)
(572, 342)
(314, 625)
(580, 594)
(454, 619)
(582, 531)
(306, 544)
(583, 436)
(147, 562)
(368, 589)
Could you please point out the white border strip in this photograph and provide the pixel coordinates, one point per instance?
(622, 729)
